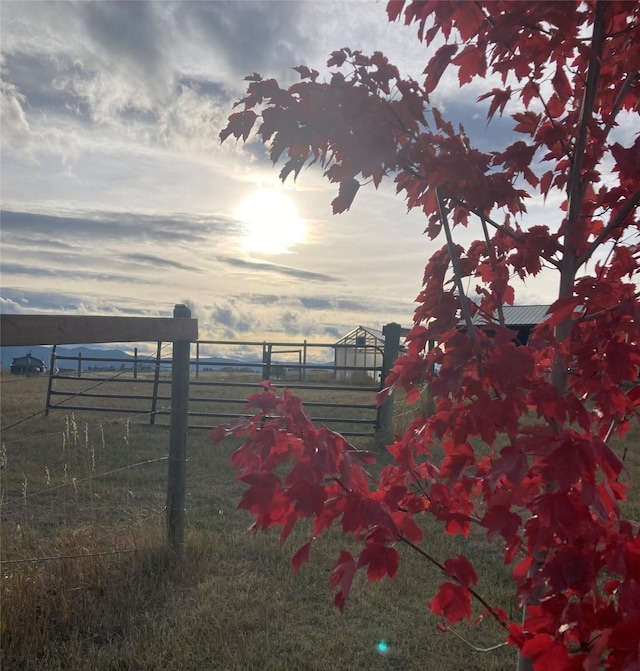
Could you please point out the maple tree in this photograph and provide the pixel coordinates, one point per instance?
(524, 430)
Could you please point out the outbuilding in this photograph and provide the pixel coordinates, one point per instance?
(28, 365)
(521, 318)
(359, 353)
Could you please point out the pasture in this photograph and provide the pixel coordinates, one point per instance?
(87, 583)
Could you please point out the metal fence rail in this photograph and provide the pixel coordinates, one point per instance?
(222, 396)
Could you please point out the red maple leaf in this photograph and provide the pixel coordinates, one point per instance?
(499, 520)
(500, 97)
(512, 463)
(453, 602)
(240, 125)
(342, 575)
(437, 65)
(264, 401)
(546, 653)
(528, 122)
(266, 499)
(471, 61)
(346, 193)
(380, 560)
(301, 557)
(462, 570)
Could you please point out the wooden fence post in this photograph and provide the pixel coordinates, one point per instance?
(52, 370)
(304, 361)
(156, 384)
(391, 350)
(266, 361)
(177, 476)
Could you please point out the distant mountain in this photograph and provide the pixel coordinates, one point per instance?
(8, 354)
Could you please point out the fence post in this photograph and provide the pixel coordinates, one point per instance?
(177, 476)
(79, 364)
(52, 368)
(304, 361)
(266, 361)
(135, 363)
(156, 383)
(390, 354)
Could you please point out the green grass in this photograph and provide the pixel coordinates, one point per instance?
(233, 603)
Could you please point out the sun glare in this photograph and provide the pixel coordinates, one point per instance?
(271, 222)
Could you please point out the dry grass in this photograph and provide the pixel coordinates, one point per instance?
(233, 603)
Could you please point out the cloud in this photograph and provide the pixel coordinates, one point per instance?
(158, 262)
(42, 302)
(231, 320)
(337, 305)
(278, 269)
(333, 332)
(77, 275)
(9, 307)
(170, 228)
(246, 36)
(296, 323)
(14, 124)
(316, 303)
(262, 299)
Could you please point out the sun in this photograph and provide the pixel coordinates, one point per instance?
(271, 222)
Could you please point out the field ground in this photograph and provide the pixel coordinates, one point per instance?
(90, 488)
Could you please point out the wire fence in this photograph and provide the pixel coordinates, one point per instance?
(103, 477)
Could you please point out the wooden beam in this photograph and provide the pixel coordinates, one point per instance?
(23, 330)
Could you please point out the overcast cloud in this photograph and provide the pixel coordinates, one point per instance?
(117, 197)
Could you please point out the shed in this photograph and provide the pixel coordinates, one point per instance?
(520, 318)
(361, 350)
(27, 365)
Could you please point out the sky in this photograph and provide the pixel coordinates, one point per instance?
(118, 199)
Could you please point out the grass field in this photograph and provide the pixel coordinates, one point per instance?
(84, 494)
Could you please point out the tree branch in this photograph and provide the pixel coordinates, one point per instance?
(499, 227)
(494, 264)
(617, 105)
(474, 647)
(616, 222)
(575, 189)
(457, 274)
(478, 597)
(510, 234)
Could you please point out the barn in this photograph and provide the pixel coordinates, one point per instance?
(362, 349)
(27, 365)
(520, 318)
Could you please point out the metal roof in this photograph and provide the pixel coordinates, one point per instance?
(23, 359)
(518, 315)
(376, 333)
